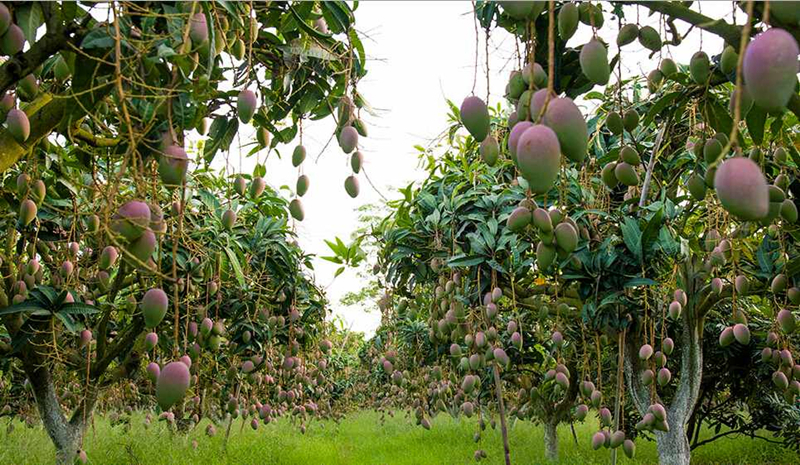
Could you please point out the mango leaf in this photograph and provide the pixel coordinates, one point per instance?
(237, 268)
(632, 236)
(79, 308)
(220, 136)
(756, 119)
(29, 19)
(22, 307)
(464, 260)
(68, 321)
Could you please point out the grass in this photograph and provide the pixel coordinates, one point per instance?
(359, 439)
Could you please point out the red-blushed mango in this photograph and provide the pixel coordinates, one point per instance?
(519, 219)
(264, 137)
(173, 381)
(173, 165)
(5, 19)
(239, 185)
(150, 341)
(18, 125)
(198, 29)
(154, 307)
(594, 62)
(298, 155)
(153, 370)
(562, 381)
(534, 73)
(475, 117)
(348, 139)
(490, 150)
(257, 186)
(296, 209)
(629, 448)
(228, 219)
(302, 185)
(27, 212)
(12, 41)
(539, 158)
(107, 257)
(545, 255)
(514, 136)
(567, 20)
(357, 160)
(778, 283)
(770, 68)
(143, 247)
(85, 338)
(793, 293)
(351, 186)
(742, 188)
(645, 352)
(598, 440)
(780, 380)
(616, 439)
(541, 219)
(726, 337)
(566, 237)
(675, 309)
(680, 296)
(787, 321)
(667, 346)
(246, 105)
(700, 67)
(131, 219)
(566, 120)
(741, 333)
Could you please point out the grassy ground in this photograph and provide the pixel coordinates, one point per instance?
(360, 439)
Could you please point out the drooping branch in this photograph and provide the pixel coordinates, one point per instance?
(729, 33)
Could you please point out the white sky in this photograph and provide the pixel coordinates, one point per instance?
(421, 54)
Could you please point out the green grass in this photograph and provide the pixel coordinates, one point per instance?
(359, 439)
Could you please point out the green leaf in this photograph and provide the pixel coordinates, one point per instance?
(659, 107)
(756, 119)
(632, 236)
(68, 321)
(237, 268)
(640, 282)
(29, 18)
(79, 308)
(220, 136)
(23, 307)
(97, 38)
(463, 260)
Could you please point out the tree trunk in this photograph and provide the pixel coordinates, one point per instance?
(551, 441)
(66, 434)
(673, 446)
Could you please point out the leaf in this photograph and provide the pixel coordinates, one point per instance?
(305, 27)
(640, 282)
(659, 106)
(220, 136)
(68, 321)
(756, 119)
(22, 307)
(97, 38)
(237, 268)
(79, 308)
(29, 18)
(632, 236)
(464, 261)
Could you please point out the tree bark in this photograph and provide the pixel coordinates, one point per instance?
(66, 435)
(673, 446)
(551, 441)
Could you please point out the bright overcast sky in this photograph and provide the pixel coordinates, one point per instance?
(421, 54)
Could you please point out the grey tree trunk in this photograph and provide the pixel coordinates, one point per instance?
(66, 435)
(673, 446)
(551, 441)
